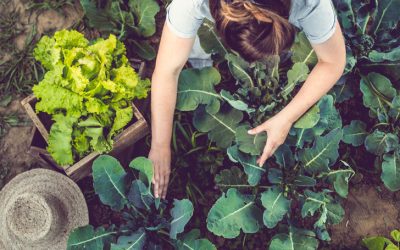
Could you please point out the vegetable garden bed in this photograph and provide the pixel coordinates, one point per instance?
(329, 203)
(136, 129)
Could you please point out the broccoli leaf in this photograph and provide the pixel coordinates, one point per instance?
(250, 144)
(391, 171)
(234, 212)
(196, 86)
(323, 154)
(221, 126)
(355, 133)
(144, 12)
(276, 206)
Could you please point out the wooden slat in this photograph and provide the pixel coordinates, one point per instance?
(127, 138)
(28, 104)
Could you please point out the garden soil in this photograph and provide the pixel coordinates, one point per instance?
(369, 211)
(14, 145)
(14, 156)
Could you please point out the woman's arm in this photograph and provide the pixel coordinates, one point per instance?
(331, 63)
(172, 55)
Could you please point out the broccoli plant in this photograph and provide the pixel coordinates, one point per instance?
(303, 182)
(373, 44)
(372, 34)
(146, 223)
(132, 21)
(381, 243)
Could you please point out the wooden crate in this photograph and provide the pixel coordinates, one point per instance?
(133, 132)
(37, 148)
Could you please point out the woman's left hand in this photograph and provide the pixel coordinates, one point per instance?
(277, 128)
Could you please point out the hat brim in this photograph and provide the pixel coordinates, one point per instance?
(48, 182)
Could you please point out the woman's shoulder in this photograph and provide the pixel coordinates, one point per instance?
(302, 9)
(317, 18)
(184, 17)
(199, 3)
(193, 3)
(203, 8)
(198, 8)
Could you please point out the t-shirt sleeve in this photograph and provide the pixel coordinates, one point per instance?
(183, 19)
(320, 23)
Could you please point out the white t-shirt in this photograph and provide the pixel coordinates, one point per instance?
(317, 18)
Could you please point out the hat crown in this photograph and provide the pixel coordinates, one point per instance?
(33, 217)
(38, 210)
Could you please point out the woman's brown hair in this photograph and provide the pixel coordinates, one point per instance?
(255, 31)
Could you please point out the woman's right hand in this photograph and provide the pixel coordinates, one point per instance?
(161, 158)
(172, 55)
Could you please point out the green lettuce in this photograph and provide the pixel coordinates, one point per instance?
(88, 89)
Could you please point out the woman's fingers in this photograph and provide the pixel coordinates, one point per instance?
(256, 130)
(267, 152)
(161, 186)
(161, 159)
(156, 179)
(161, 179)
(166, 181)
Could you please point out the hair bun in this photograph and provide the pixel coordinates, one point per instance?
(253, 30)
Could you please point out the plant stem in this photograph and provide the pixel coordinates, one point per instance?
(138, 212)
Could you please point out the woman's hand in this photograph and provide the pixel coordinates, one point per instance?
(277, 128)
(161, 158)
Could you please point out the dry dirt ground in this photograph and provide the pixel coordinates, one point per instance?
(14, 145)
(14, 157)
(370, 211)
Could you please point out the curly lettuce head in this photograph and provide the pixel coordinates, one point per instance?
(85, 80)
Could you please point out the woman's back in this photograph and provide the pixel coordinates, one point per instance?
(317, 18)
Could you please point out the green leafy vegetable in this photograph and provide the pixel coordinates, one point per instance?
(191, 241)
(276, 206)
(383, 243)
(89, 238)
(250, 144)
(221, 126)
(355, 133)
(340, 179)
(108, 176)
(295, 239)
(197, 87)
(87, 89)
(231, 178)
(144, 12)
(391, 171)
(144, 219)
(249, 163)
(323, 154)
(297, 74)
(380, 142)
(134, 241)
(232, 213)
(181, 214)
(309, 119)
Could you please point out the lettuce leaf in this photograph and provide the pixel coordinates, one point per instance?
(55, 99)
(88, 89)
(122, 117)
(60, 138)
(46, 52)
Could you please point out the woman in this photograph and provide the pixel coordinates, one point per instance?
(255, 29)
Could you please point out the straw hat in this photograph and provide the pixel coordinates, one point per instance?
(38, 209)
